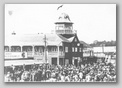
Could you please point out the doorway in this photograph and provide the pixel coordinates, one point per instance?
(61, 61)
(54, 61)
(76, 62)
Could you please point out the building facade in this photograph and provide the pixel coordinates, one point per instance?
(59, 48)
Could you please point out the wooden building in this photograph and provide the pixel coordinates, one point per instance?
(59, 48)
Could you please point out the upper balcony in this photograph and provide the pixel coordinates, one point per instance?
(65, 31)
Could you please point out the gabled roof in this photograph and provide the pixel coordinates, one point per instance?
(75, 39)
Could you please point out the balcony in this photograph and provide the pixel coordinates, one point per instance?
(65, 31)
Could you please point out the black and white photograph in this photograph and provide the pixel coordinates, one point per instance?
(60, 43)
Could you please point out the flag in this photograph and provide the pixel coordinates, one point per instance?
(59, 7)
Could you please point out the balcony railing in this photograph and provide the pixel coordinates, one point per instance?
(38, 54)
(31, 54)
(65, 31)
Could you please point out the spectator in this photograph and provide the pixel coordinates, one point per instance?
(90, 72)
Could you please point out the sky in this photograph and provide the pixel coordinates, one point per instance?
(92, 21)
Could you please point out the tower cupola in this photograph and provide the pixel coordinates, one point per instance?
(64, 26)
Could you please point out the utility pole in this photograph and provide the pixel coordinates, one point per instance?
(103, 47)
(45, 42)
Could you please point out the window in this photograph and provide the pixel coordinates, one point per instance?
(78, 44)
(72, 49)
(80, 50)
(54, 49)
(79, 58)
(15, 48)
(76, 49)
(60, 26)
(6, 48)
(66, 49)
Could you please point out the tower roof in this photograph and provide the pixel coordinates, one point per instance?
(63, 18)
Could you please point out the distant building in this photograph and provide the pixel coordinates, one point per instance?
(106, 52)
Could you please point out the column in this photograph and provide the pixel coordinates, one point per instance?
(72, 60)
(47, 52)
(58, 55)
(33, 51)
(21, 48)
(9, 48)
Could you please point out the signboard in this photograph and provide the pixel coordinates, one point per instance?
(15, 55)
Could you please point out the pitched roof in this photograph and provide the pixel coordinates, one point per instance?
(71, 39)
(85, 45)
(64, 18)
(37, 39)
(33, 39)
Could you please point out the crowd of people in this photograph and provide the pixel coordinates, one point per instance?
(90, 72)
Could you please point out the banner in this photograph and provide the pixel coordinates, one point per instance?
(15, 55)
